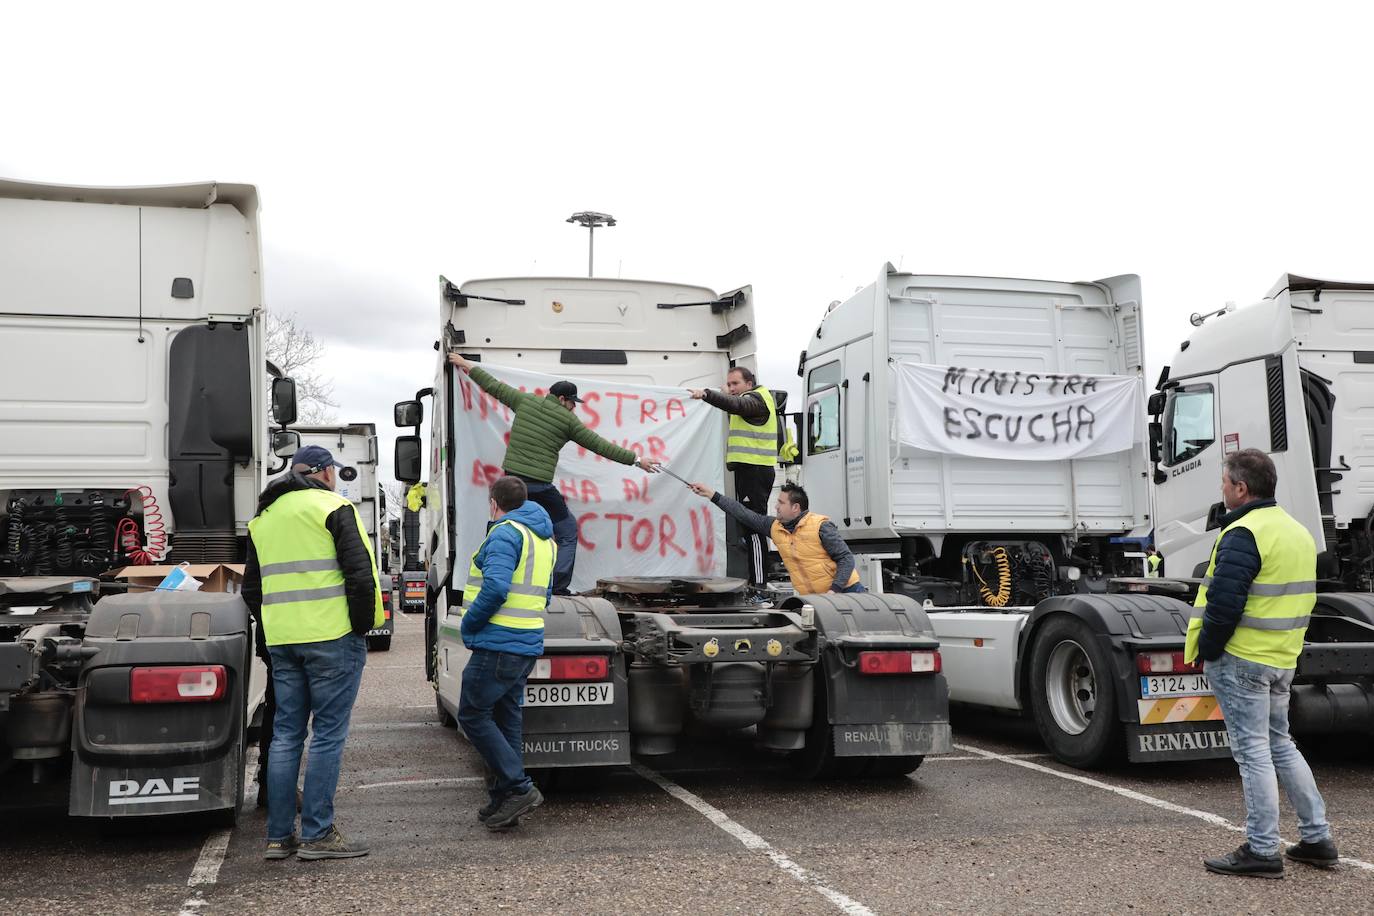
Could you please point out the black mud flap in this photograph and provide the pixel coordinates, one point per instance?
(879, 715)
(1177, 741)
(148, 758)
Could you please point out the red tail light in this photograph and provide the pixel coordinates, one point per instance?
(195, 684)
(925, 661)
(1164, 663)
(571, 668)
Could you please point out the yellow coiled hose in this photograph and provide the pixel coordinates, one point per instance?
(1000, 597)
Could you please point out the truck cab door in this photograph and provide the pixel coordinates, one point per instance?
(1190, 466)
(823, 431)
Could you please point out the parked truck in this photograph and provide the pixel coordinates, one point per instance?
(134, 429)
(354, 445)
(846, 684)
(1030, 569)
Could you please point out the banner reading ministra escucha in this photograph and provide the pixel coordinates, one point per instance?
(1017, 415)
(631, 523)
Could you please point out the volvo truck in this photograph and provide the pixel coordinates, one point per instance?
(134, 430)
(640, 664)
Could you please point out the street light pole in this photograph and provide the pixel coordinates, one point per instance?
(592, 220)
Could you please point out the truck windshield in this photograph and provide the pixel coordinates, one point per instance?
(1188, 422)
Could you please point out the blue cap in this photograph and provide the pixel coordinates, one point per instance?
(317, 457)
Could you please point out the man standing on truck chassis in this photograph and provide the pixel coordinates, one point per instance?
(503, 624)
(542, 426)
(1248, 625)
(311, 582)
(751, 450)
(816, 557)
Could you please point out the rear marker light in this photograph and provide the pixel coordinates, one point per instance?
(1164, 663)
(926, 661)
(571, 668)
(168, 684)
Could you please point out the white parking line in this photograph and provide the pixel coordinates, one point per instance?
(753, 841)
(1214, 819)
(449, 781)
(976, 758)
(212, 852)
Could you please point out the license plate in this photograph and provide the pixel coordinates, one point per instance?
(569, 694)
(1174, 685)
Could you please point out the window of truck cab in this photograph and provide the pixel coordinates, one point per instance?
(823, 409)
(1189, 423)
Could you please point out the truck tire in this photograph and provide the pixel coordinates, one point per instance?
(379, 643)
(1073, 694)
(445, 718)
(817, 760)
(890, 767)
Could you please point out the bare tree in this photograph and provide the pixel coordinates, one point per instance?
(293, 349)
(395, 497)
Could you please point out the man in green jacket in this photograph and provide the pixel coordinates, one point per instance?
(542, 426)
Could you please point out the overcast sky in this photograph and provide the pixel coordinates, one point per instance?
(1207, 147)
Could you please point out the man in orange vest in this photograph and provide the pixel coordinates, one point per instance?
(816, 557)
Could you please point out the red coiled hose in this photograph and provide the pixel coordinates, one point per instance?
(154, 531)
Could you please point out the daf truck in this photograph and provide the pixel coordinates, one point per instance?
(134, 429)
(354, 446)
(639, 664)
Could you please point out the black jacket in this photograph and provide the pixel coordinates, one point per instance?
(749, 405)
(1238, 562)
(360, 578)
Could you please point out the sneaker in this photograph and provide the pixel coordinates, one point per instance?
(1244, 862)
(282, 849)
(514, 807)
(485, 812)
(1321, 853)
(332, 846)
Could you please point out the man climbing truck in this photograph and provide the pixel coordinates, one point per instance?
(133, 431)
(656, 646)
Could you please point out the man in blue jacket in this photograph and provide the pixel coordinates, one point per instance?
(507, 591)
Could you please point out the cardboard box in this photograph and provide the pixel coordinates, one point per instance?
(213, 577)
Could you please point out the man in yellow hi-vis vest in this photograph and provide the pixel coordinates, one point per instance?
(1248, 624)
(311, 583)
(751, 449)
(508, 587)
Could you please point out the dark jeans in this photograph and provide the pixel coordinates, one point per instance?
(489, 711)
(316, 684)
(856, 589)
(564, 531)
(753, 486)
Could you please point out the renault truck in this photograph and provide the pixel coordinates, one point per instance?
(134, 430)
(657, 646)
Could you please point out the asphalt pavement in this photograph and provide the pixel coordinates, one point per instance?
(995, 827)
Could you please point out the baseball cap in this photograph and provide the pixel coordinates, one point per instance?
(565, 389)
(316, 457)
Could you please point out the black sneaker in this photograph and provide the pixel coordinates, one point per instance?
(1321, 853)
(514, 807)
(281, 849)
(485, 812)
(332, 846)
(1246, 863)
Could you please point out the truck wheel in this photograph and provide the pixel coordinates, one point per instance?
(1073, 695)
(379, 643)
(817, 759)
(445, 719)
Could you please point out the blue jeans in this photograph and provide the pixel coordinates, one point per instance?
(489, 711)
(316, 683)
(564, 531)
(856, 589)
(1254, 700)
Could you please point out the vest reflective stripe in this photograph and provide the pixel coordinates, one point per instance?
(1278, 604)
(277, 569)
(303, 594)
(750, 444)
(523, 608)
(809, 566)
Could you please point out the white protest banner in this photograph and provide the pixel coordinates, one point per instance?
(1017, 415)
(631, 523)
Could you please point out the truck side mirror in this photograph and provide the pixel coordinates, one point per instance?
(1214, 515)
(1156, 442)
(1154, 405)
(406, 459)
(409, 413)
(285, 443)
(284, 401)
